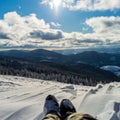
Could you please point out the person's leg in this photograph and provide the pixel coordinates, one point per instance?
(66, 108)
(80, 116)
(51, 108)
(68, 112)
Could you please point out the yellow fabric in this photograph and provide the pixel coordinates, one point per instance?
(80, 116)
(73, 116)
(51, 117)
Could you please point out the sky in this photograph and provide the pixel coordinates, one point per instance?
(59, 24)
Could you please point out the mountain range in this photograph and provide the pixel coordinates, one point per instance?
(89, 57)
(81, 68)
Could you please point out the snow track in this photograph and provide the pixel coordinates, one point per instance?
(23, 98)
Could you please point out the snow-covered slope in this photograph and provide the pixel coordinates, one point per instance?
(23, 98)
(112, 68)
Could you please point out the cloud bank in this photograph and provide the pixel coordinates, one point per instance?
(31, 32)
(90, 5)
(46, 35)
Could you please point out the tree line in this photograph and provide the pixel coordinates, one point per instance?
(10, 66)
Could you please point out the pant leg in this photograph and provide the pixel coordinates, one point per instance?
(51, 117)
(80, 116)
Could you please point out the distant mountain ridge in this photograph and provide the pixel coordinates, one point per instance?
(97, 59)
(89, 57)
(34, 55)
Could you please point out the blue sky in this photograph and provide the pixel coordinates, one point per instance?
(59, 24)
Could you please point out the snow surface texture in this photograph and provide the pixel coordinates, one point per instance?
(23, 98)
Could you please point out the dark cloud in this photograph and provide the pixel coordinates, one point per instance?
(49, 35)
(4, 36)
(89, 41)
(111, 23)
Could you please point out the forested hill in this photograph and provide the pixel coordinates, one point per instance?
(76, 74)
(88, 57)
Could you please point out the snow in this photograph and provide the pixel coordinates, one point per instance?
(112, 68)
(23, 98)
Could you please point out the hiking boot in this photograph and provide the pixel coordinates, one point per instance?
(51, 105)
(66, 108)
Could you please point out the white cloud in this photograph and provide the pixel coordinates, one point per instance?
(105, 5)
(55, 24)
(18, 31)
(106, 32)
(29, 31)
(17, 26)
(87, 4)
(105, 24)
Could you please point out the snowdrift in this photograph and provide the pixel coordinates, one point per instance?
(23, 98)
